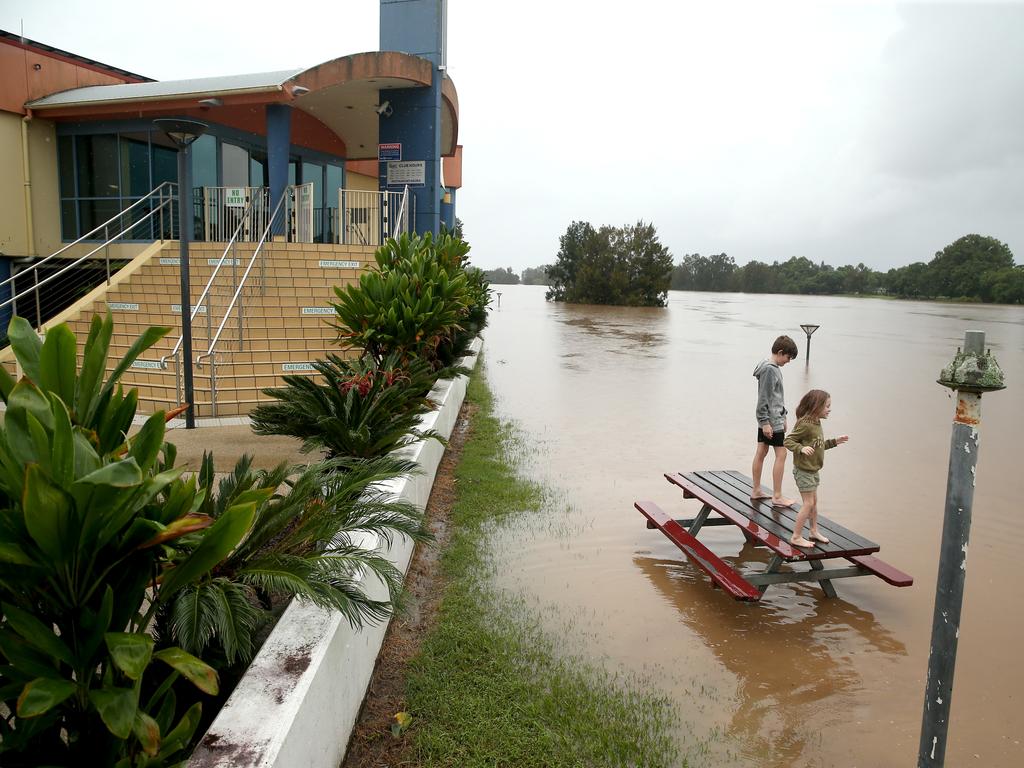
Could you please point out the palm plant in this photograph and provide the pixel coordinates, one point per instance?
(314, 539)
(363, 408)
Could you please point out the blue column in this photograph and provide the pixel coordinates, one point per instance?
(415, 123)
(279, 142)
(416, 27)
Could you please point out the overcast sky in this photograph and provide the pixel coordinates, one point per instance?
(842, 132)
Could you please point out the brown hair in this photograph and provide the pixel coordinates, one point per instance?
(785, 346)
(812, 404)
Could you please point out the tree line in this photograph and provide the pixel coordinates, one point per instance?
(973, 268)
(628, 265)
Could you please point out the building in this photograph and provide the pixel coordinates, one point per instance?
(336, 156)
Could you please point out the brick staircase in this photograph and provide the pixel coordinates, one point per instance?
(284, 328)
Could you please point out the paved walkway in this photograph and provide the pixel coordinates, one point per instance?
(228, 441)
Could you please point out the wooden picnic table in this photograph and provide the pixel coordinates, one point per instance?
(727, 494)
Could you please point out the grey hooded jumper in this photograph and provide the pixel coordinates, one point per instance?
(771, 401)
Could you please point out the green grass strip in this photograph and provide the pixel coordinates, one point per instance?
(488, 687)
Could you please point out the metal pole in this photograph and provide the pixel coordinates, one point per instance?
(184, 233)
(970, 374)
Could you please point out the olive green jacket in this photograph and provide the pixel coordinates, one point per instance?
(807, 432)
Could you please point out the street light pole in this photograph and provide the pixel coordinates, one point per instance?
(183, 133)
(809, 329)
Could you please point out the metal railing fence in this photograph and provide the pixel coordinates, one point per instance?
(220, 211)
(157, 207)
(366, 217)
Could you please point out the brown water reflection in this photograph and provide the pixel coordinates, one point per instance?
(606, 399)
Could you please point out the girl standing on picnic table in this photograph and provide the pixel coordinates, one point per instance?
(808, 444)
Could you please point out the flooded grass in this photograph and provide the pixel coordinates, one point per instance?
(490, 686)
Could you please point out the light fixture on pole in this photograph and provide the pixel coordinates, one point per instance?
(183, 133)
(809, 329)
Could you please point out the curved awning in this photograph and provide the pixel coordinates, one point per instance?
(341, 95)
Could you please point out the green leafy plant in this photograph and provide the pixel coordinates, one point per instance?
(308, 540)
(416, 301)
(88, 519)
(360, 409)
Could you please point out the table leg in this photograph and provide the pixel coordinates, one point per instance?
(773, 567)
(698, 521)
(826, 584)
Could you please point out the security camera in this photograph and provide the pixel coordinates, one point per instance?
(384, 109)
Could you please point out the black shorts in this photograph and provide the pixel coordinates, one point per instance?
(775, 440)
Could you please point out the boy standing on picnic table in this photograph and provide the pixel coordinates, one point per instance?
(771, 420)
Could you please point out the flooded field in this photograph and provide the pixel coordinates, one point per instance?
(605, 400)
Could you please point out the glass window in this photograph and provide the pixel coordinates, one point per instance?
(234, 162)
(92, 213)
(66, 163)
(313, 173)
(97, 166)
(259, 175)
(68, 222)
(335, 181)
(135, 164)
(204, 161)
(292, 172)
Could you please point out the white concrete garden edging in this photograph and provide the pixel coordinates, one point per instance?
(297, 703)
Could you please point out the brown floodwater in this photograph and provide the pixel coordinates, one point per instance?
(606, 399)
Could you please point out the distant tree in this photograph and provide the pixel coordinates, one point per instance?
(1004, 286)
(536, 275)
(682, 274)
(624, 266)
(756, 277)
(958, 270)
(501, 276)
(909, 282)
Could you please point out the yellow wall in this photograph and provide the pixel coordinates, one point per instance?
(42, 147)
(358, 181)
(42, 142)
(12, 196)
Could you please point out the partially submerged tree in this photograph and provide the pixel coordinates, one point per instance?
(611, 265)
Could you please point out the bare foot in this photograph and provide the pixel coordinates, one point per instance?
(783, 502)
(760, 493)
(800, 541)
(816, 536)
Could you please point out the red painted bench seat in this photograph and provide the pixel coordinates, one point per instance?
(720, 572)
(883, 570)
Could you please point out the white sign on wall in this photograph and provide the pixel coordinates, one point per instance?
(411, 172)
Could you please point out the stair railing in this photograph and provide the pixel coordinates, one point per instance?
(279, 219)
(255, 209)
(164, 196)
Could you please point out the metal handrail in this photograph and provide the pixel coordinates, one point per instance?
(402, 212)
(241, 283)
(35, 267)
(213, 276)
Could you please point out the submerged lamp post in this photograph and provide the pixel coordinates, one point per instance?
(972, 373)
(183, 133)
(809, 329)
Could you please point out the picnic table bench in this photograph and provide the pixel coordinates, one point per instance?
(727, 493)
